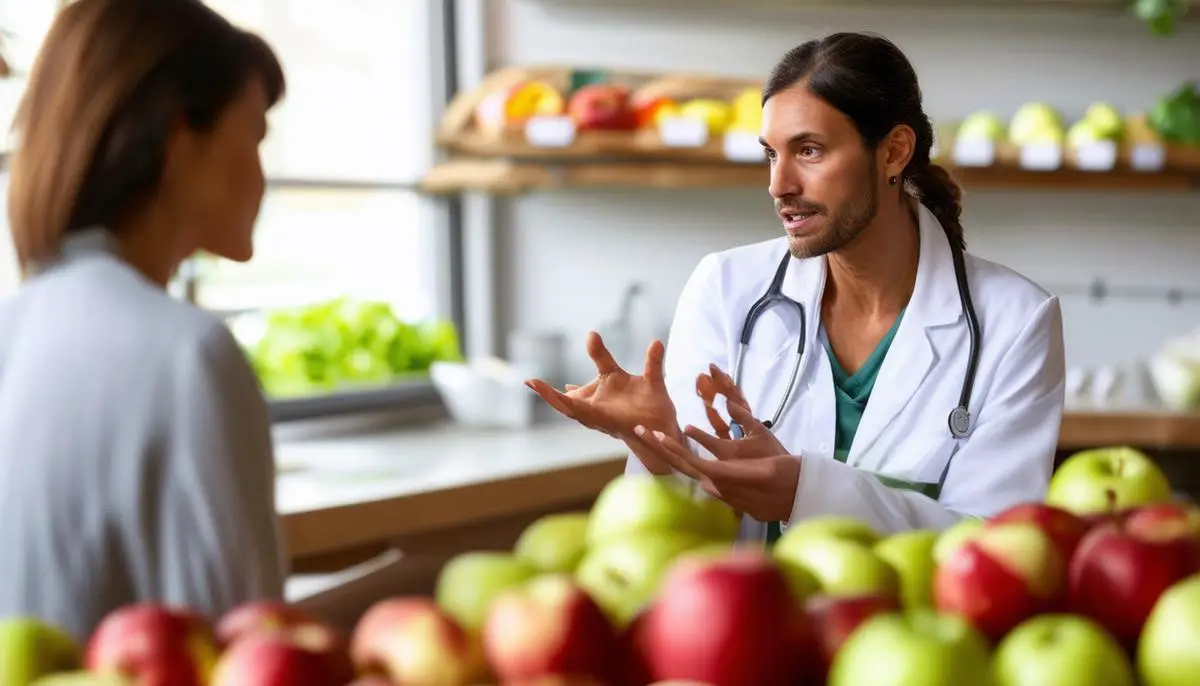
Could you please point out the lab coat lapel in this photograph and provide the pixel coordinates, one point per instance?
(913, 352)
(809, 421)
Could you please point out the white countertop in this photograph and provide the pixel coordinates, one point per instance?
(320, 473)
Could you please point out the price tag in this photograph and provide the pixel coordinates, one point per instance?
(743, 146)
(550, 132)
(1148, 157)
(1041, 156)
(1097, 156)
(974, 152)
(683, 132)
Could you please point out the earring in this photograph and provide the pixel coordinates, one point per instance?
(892, 181)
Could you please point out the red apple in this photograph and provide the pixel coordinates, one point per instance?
(153, 644)
(281, 659)
(549, 626)
(373, 680)
(727, 621)
(1119, 571)
(602, 107)
(260, 616)
(411, 640)
(1002, 576)
(834, 618)
(1064, 528)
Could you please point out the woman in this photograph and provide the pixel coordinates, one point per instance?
(135, 450)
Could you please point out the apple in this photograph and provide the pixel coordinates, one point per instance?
(918, 648)
(279, 659)
(1107, 480)
(1164, 521)
(1035, 122)
(727, 622)
(79, 678)
(1105, 120)
(549, 626)
(910, 553)
(602, 107)
(258, 616)
(834, 619)
(411, 640)
(372, 680)
(649, 111)
(1166, 650)
(30, 648)
(468, 582)
(1002, 576)
(624, 574)
(153, 643)
(1064, 528)
(716, 114)
(954, 536)
(1119, 572)
(838, 553)
(636, 503)
(719, 521)
(554, 543)
(1063, 650)
(981, 125)
(507, 109)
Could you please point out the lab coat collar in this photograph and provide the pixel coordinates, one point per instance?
(934, 299)
(79, 244)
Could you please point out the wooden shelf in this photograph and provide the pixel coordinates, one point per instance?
(1153, 430)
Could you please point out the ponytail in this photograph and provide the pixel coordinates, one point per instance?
(942, 195)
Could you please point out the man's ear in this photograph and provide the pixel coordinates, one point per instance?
(897, 150)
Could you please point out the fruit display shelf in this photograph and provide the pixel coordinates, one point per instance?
(544, 128)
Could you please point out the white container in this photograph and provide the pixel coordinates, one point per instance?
(486, 393)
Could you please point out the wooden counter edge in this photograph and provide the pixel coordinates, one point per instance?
(1147, 429)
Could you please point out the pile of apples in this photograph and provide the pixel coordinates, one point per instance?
(1099, 585)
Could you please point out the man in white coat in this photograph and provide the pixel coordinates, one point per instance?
(888, 375)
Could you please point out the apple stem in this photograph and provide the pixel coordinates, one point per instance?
(1111, 495)
(617, 578)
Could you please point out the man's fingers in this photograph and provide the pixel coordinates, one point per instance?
(671, 451)
(653, 372)
(718, 447)
(605, 364)
(554, 398)
(719, 426)
(725, 385)
(741, 414)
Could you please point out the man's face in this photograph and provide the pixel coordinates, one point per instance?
(824, 181)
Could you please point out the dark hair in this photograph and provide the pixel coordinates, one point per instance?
(867, 78)
(110, 81)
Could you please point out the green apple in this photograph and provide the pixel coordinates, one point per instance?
(1107, 121)
(955, 535)
(910, 553)
(981, 126)
(722, 523)
(554, 543)
(636, 503)
(835, 526)
(79, 678)
(1035, 123)
(30, 648)
(1083, 131)
(1061, 650)
(469, 582)
(622, 575)
(918, 648)
(1167, 653)
(841, 566)
(1107, 480)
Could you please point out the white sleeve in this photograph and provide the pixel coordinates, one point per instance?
(219, 537)
(696, 340)
(1007, 459)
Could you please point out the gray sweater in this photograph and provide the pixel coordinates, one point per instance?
(135, 449)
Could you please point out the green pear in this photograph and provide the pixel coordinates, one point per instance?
(469, 582)
(554, 543)
(31, 648)
(635, 503)
(623, 575)
(910, 553)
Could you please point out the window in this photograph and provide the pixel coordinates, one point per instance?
(341, 219)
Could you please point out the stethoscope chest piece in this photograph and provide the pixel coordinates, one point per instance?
(960, 422)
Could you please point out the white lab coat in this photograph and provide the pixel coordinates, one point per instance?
(1016, 406)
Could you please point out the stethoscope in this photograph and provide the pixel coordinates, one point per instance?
(959, 419)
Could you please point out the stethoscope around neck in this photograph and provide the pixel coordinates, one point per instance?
(959, 419)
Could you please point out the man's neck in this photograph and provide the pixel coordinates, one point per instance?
(874, 276)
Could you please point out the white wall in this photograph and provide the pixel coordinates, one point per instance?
(566, 255)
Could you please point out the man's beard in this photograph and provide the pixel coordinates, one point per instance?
(843, 225)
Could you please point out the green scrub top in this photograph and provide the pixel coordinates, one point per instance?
(851, 393)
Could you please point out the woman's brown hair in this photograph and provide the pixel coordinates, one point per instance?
(111, 81)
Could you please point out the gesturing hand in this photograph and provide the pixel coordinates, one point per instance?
(615, 401)
(763, 487)
(712, 384)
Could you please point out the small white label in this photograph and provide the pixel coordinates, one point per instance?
(1099, 156)
(1041, 156)
(683, 132)
(743, 146)
(974, 152)
(1148, 157)
(550, 132)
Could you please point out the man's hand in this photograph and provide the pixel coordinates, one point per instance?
(712, 384)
